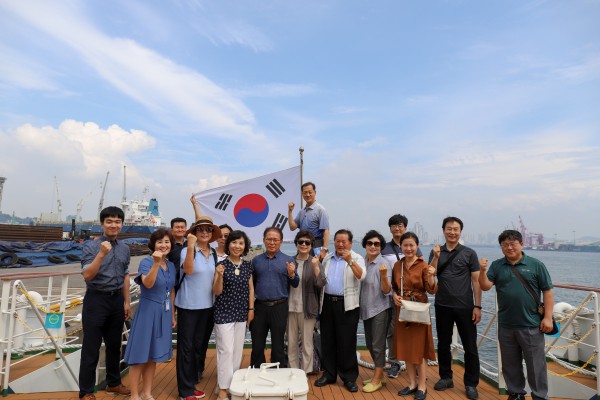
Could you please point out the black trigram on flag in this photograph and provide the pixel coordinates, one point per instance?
(280, 221)
(223, 202)
(275, 188)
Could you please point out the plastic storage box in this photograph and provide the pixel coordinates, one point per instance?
(268, 383)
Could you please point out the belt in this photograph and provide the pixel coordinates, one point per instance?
(115, 292)
(271, 303)
(331, 297)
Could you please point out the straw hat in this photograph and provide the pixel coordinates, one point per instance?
(205, 220)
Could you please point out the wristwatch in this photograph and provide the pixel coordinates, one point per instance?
(350, 263)
(478, 307)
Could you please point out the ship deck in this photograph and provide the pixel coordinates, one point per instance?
(165, 383)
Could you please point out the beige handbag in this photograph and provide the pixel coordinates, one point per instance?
(413, 311)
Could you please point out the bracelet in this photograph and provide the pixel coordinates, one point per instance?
(481, 308)
(250, 309)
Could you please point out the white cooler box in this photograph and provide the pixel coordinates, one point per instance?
(268, 383)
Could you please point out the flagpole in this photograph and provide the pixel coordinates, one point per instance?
(301, 149)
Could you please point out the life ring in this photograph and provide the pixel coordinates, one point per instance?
(56, 259)
(73, 257)
(24, 261)
(8, 259)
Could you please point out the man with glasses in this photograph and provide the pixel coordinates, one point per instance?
(457, 301)
(313, 217)
(521, 328)
(273, 274)
(392, 253)
(340, 311)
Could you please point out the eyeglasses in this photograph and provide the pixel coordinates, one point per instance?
(508, 245)
(304, 242)
(397, 226)
(374, 244)
(208, 229)
(272, 240)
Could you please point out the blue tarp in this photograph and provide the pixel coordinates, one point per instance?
(38, 253)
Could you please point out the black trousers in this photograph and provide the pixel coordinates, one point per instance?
(273, 318)
(192, 342)
(338, 340)
(102, 319)
(445, 318)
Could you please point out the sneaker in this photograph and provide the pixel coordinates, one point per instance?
(394, 370)
(444, 384)
(120, 390)
(471, 392)
(198, 394)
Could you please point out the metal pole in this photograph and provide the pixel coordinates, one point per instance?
(301, 149)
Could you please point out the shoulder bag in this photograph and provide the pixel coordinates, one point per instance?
(453, 255)
(410, 310)
(541, 309)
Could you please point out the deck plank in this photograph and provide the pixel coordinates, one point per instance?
(165, 385)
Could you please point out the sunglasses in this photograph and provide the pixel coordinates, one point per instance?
(374, 244)
(208, 229)
(305, 242)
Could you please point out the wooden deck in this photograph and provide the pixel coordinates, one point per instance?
(165, 385)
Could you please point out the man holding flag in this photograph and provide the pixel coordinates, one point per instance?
(313, 217)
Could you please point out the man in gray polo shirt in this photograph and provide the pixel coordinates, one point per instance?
(313, 217)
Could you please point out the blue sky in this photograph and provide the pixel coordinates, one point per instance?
(482, 110)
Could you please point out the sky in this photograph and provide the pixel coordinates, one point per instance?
(483, 110)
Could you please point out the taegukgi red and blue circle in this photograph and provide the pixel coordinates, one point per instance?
(251, 210)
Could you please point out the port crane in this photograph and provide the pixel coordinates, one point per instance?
(101, 204)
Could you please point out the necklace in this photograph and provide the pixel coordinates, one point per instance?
(237, 267)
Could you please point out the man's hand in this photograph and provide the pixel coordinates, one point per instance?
(105, 247)
(291, 269)
(346, 255)
(127, 309)
(291, 206)
(483, 265)
(436, 251)
(476, 316)
(546, 324)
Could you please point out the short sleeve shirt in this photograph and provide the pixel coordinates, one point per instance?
(114, 267)
(454, 284)
(232, 304)
(313, 218)
(195, 292)
(516, 307)
(372, 300)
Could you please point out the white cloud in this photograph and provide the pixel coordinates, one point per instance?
(175, 93)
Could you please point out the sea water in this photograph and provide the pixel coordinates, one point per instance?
(579, 268)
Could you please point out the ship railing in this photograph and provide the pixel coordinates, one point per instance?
(23, 337)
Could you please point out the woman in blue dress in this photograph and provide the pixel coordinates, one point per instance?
(150, 336)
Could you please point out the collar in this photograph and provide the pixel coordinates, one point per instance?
(377, 259)
(521, 261)
(103, 238)
(443, 247)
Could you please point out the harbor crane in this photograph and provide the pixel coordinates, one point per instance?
(58, 201)
(101, 204)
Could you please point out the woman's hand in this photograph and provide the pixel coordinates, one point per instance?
(397, 299)
(157, 256)
(250, 317)
(191, 239)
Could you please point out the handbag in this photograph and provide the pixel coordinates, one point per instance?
(541, 309)
(413, 311)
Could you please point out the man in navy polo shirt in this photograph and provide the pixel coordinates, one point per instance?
(106, 304)
(273, 274)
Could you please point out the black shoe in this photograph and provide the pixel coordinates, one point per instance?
(322, 381)
(443, 384)
(420, 395)
(407, 391)
(516, 396)
(472, 392)
(351, 386)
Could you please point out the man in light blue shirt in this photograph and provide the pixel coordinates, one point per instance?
(313, 217)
